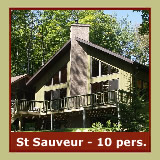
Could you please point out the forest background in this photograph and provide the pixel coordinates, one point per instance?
(36, 35)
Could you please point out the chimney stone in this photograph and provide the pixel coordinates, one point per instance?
(79, 60)
(80, 31)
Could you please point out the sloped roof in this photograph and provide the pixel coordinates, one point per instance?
(67, 47)
(136, 64)
(104, 50)
(18, 78)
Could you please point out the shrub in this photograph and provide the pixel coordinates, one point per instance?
(98, 127)
(134, 116)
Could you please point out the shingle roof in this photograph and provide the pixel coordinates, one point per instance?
(103, 49)
(18, 78)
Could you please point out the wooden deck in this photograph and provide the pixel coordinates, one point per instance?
(84, 105)
(67, 104)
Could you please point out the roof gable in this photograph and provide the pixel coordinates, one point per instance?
(66, 47)
(44, 68)
(104, 50)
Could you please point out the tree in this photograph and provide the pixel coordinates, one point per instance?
(18, 39)
(141, 48)
(134, 110)
(36, 35)
(144, 27)
(22, 40)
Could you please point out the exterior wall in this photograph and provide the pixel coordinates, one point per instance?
(125, 80)
(83, 82)
(105, 78)
(40, 85)
(125, 70)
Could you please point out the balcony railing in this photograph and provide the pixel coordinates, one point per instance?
(70, 103)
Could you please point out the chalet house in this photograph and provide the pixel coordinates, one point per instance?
(79, 85)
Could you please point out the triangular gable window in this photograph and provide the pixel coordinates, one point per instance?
(58, 77)
(99, 68)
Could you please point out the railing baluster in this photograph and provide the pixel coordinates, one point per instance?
(30, 106)
(67, 103)
(80, 99)
(61, 105)
(74, 102)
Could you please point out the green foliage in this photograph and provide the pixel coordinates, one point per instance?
(98, 127)
(144, 27)
(36, 35)
(24, 42)
(134, 116)
(113, 128)
(141, 48)
(13, 127)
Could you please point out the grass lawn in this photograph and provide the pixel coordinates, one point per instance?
(61, 130)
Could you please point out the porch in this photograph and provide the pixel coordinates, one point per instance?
(89, 106)
(67, 104)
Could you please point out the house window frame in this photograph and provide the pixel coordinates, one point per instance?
(59, 73)
(100, 68)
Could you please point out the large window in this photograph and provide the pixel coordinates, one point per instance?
(100, 87)
(47, 95)
(56, 94)
(64, 74)
(110, 85)
(49, 82)
(63, 92)
(95, 67)
(105, 69)
(100, 68)
(96, 87)
(58, 77)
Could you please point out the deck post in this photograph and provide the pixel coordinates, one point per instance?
(51, 121)
(100, 69)
(118, 109)
(84, 118)
(15, 106)
(51, 106)
(20, 123)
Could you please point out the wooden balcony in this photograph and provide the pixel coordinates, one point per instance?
(68, 104)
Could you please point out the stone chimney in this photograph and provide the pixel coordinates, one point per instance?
(80, 31)
(79, 60)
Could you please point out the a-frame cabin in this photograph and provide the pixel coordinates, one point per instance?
(79, 85)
